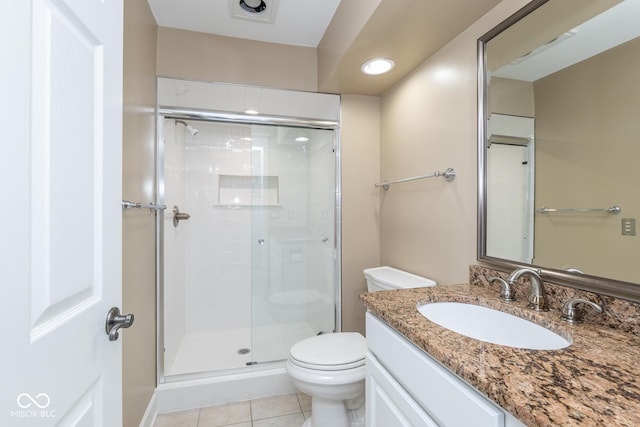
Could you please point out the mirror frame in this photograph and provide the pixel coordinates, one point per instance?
(601, 285)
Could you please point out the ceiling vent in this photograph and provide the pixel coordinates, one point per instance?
(254, 10)
(253, 6)
(548, 45)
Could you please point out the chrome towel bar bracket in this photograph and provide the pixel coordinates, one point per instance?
(449, 175)
(131, 205)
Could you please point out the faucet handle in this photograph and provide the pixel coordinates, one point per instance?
(573, 314)
(506, 293)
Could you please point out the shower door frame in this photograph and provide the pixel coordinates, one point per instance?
(179, 113)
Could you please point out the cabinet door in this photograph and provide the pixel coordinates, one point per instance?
(388, 405)
(444, 396)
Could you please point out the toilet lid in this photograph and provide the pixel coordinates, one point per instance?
(341, 350)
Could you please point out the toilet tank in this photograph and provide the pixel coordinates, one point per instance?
(383, 278)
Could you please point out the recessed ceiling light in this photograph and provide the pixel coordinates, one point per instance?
(377, 66)
(302, 139)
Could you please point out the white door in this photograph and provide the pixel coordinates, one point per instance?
(60, 230)
(510, 187)
(508, 214)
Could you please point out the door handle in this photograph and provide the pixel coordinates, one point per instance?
(116, 321)
(179, 216)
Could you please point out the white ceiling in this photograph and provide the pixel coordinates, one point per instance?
(605, 31)
(295, 22)
(408, 31)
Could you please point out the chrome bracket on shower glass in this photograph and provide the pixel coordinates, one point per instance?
(132, 205)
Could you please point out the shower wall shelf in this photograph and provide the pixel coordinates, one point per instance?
(612, 210)
(449, 175)
(133, 205)
(248, 190)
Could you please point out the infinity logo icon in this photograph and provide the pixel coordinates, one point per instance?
(25, 400)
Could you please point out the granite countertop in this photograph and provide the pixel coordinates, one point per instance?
(593, 382)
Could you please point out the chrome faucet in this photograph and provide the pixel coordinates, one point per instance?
(537, 296)
(573, 314)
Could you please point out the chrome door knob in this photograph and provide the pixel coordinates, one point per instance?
(116, 321)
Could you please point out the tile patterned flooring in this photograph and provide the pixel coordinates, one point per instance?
(289, 410)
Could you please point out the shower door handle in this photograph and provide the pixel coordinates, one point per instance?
(179, 216)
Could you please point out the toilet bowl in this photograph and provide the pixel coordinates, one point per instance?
(330, 367)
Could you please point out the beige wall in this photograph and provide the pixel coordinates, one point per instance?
(349, 20)
(508, 96)
(429, 123)
(200, 56)
(587, 156)
(138, 226)
(360, 153)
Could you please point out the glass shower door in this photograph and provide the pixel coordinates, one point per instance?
(252, 270)
(293, 263)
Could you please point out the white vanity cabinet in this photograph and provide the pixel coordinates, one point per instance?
(407, 387)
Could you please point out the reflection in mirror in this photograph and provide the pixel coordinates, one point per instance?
(559, 130)
(510, 180)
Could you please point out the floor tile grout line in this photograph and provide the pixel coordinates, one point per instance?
(299, 403)
(252, 421)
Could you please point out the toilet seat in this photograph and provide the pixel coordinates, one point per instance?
(330, 352)
(318, 367)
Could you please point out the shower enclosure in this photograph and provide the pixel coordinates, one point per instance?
(249, 240)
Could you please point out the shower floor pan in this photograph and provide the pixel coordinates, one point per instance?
(219, 350)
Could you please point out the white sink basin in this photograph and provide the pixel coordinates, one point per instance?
(492, 326)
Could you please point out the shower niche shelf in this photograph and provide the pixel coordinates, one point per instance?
(248, 190)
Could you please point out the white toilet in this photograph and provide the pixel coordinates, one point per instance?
(330, 367)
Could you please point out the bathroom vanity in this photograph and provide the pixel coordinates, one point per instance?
(419, 373)
(406, 387)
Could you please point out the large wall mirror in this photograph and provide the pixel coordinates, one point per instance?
(559, 144)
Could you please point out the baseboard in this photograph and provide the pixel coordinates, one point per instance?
(192, 394)
(151, 413)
